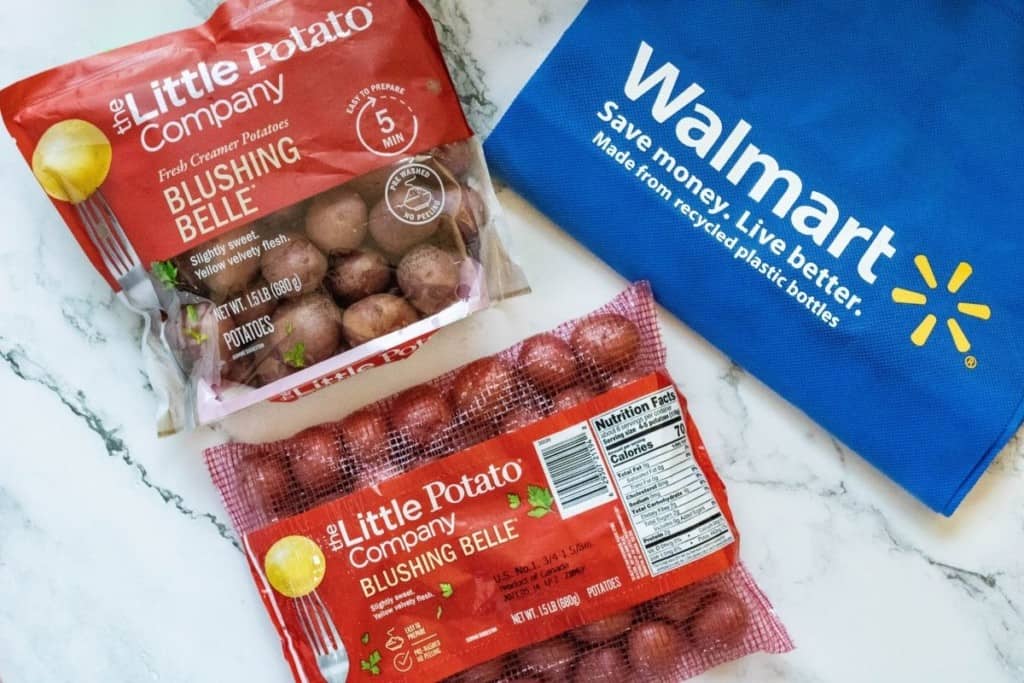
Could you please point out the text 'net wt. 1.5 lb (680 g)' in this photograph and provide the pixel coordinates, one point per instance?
(546, 514)
(290, 194)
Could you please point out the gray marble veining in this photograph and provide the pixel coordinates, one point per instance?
(117, 546)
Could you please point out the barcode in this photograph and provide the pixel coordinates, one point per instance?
(575, 470)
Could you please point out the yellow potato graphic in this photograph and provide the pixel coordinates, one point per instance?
(295, 566)
(72, 160)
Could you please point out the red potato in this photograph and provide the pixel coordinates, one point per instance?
(268, 484)
(551, 659)
(721, 621)
(625, 378)
(680, 605)
(548, 362)
(519, 418)
(317, 462)
(368, 475)
(609, 342)
(654, 649)
(570, 398)
(488, 672)
(421, 414)
(365, 435)
(481, 388)
(606, 665)
(606, 629)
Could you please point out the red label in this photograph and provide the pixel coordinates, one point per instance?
(197, 132)
(563, 523)
(391, 355)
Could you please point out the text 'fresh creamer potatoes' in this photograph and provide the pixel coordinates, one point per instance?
(290, 194)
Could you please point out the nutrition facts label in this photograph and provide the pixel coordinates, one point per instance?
(669, 501)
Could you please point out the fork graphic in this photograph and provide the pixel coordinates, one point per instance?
(322, 635)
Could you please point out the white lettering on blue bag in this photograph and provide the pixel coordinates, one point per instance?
(831, 193)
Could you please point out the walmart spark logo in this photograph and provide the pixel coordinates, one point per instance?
(923, 332)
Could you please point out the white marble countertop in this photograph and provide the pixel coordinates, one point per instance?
(116, 559)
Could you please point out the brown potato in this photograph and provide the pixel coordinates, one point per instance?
(548, 362)
(552, 659)
(371, 185)
(472, 214)
(317, 463)
(240, 371)
(268, 484)
(481, 387)
(421, 414)
(608, 342)
(376, 316)
(307, 331)
(606, 629)
(355, 276)
(721, 621)
(654, 649)
(606, 665)
(287, 219)
(394, 235)
(337, 221)
(267, 303)
(296, 259)
(269, 370)
(570, 398)
(234, 278)
(429, 278)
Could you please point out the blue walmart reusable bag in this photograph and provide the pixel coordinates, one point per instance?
(830, 192)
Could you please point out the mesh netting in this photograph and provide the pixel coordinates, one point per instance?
(672, 638)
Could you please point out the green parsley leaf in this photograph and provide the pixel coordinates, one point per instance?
(167, 273)
(372, 664)
(537, 513)
(514, 501)
(447, 590)
(539, 497)
(296, 358)
(196, 335)
(366, 638)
